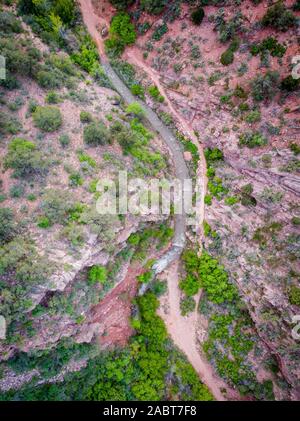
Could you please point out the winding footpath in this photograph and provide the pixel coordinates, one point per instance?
(182, 329)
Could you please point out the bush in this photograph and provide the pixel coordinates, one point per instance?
(122, 33)
(123, 28)
(197, 16)
(264, 87)
(153, 6)
(268, 44)
(64, 140)
(47, 79)
(137, 90)
(295, 148)
(294, 295)
(57, 206)
(155, 94)
(47, 118)
(9, 125)
(97, 274)
(145, 277)
(24, 158)
(7, 225)
(227, 57)
(278, 17)
(252, 139)
(43, 222)
(96, 134)
(190, 285)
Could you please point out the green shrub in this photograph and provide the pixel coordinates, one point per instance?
(264, 87)
(145, 277)
(208, 199)
(228, 30)
(9, 23)
(47, 118)
(197, 16)
(48, 80)
(153, 6)
(97, 274)
(96, 133)
(295, 148)
(278, 17)
(187, 305)
(24, 158)
(85, 158)
(294, 295)
(87, 57)
(7, 225)
(122, 33)
(252, 139)
(75, 179)
(190, 285)
(232, 200)
(52, 97)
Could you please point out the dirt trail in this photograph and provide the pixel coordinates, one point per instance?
(182, 330)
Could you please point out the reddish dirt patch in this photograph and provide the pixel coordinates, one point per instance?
(114, 311)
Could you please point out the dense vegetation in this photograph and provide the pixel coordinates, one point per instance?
(138, 372)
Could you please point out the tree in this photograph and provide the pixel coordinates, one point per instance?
(24, 158)
(121, 4)
(123, 28)
(96, 133)
(136, 109)
(227, 57)
(97, 274)
(197, 16)
(65, 9)
(289, 84)
(278, 17)
(47, 118)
